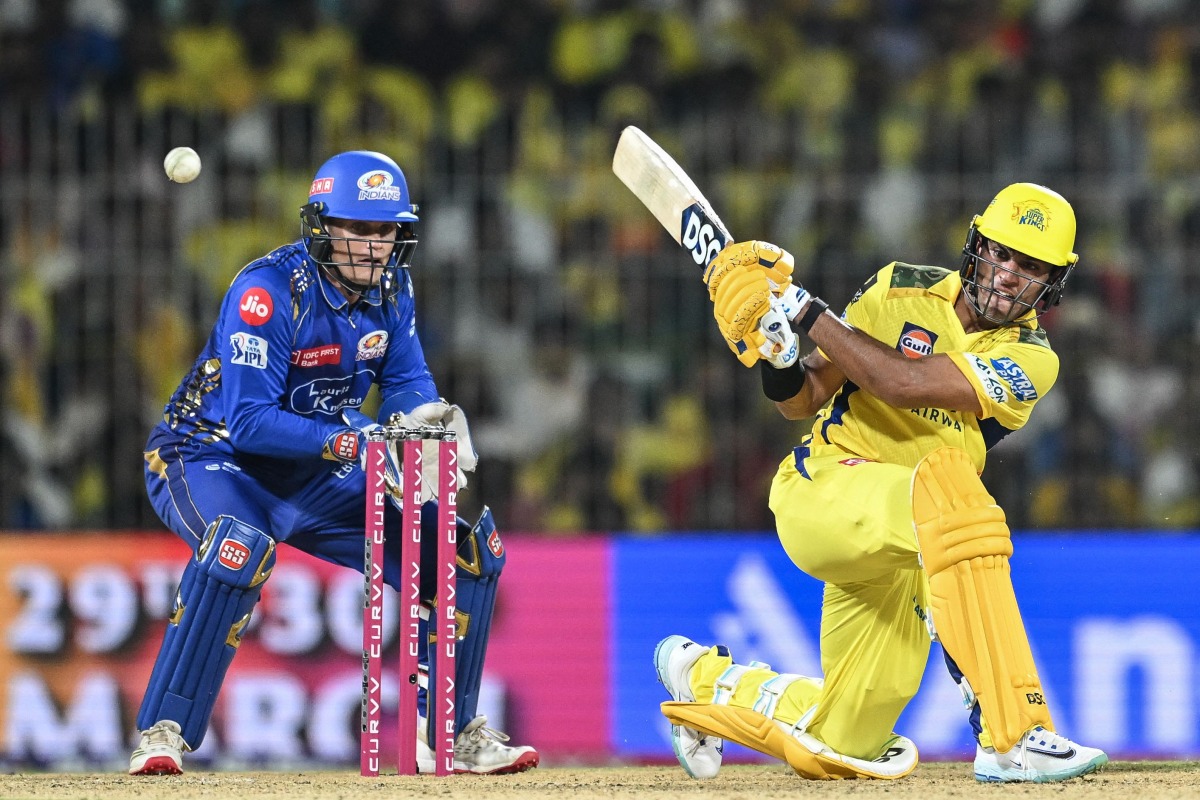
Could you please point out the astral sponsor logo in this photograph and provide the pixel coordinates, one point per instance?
(1022, 387)
(915, 341)
(248, 350)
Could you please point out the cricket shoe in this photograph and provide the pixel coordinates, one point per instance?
(478, 750)
(699, 753)
(160, 751)
(1041, 756)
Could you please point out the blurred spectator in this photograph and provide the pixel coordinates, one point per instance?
(603, 395)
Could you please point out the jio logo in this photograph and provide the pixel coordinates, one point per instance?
(256, 306)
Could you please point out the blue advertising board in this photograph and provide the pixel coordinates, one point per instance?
(1113, 622)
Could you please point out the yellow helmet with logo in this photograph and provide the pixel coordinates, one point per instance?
(1033, 220)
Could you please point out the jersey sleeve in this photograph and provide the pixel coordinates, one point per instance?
(865, 305)
(1009, 379)
(405, 381)
(256, 333)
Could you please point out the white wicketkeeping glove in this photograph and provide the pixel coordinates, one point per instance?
(452, 418)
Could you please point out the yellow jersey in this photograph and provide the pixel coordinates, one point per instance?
(912, 309)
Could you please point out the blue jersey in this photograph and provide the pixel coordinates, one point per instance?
(287, 355)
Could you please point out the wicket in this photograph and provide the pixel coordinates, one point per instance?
(440, 698)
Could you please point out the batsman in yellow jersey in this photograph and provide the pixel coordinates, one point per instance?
(926, 370)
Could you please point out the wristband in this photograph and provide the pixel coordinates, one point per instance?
(782, 384)
(816, 307)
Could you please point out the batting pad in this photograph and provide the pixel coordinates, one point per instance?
(965, 546)
(807, 755)
(217, 594)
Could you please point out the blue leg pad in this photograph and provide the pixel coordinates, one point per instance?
(217, 593)
(481, 559)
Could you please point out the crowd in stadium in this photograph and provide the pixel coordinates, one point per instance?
(852, 132)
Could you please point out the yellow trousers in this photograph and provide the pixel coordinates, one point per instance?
(849, 525)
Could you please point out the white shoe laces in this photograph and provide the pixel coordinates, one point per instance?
(477, 733)
(162, 734)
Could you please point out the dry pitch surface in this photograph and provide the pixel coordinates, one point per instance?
(935, 781)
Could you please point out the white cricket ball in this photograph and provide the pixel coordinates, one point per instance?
(182, 164)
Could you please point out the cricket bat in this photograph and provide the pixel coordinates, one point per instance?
(670, 195)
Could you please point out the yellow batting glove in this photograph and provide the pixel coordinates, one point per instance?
(773, 262)
(740, 300)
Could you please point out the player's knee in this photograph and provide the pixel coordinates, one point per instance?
(955, 517)
(480, 551)
(236, 553)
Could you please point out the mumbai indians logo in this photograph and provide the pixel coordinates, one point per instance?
(373, 345)
(1031, 216)
(700, 236)
(377, 185)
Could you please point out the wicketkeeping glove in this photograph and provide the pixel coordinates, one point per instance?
(363, 425)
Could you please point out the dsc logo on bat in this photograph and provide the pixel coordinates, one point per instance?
(700, 236)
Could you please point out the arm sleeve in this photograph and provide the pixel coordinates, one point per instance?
(256, 336)
(1009, 379)
(405, 381)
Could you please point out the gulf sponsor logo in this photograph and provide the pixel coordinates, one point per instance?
(377, 185)
(373, 345)
(321, 186)
(915, 341)
(256, 306)
(317, 356)
(1022, 387)
(233, 554)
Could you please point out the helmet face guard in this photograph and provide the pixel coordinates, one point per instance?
(1035, 222)
(360, 186)
(1037, 296)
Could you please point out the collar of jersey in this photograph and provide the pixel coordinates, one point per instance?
(334, 296)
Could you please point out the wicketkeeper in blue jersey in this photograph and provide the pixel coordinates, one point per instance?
(262, 442)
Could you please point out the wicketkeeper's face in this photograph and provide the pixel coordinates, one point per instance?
(361, 250)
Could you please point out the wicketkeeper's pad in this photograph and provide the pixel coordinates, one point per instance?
(965, 547)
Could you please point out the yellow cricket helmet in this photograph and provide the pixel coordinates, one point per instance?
(1032, 220)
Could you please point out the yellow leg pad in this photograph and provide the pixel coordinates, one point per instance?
(806, 755)
(965, 546)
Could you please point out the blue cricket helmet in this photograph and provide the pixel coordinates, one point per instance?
(362, 185)
(359, 185)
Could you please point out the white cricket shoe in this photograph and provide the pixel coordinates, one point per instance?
(699, 754)
(478, 750)
(160, 751)
(1041, 756)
